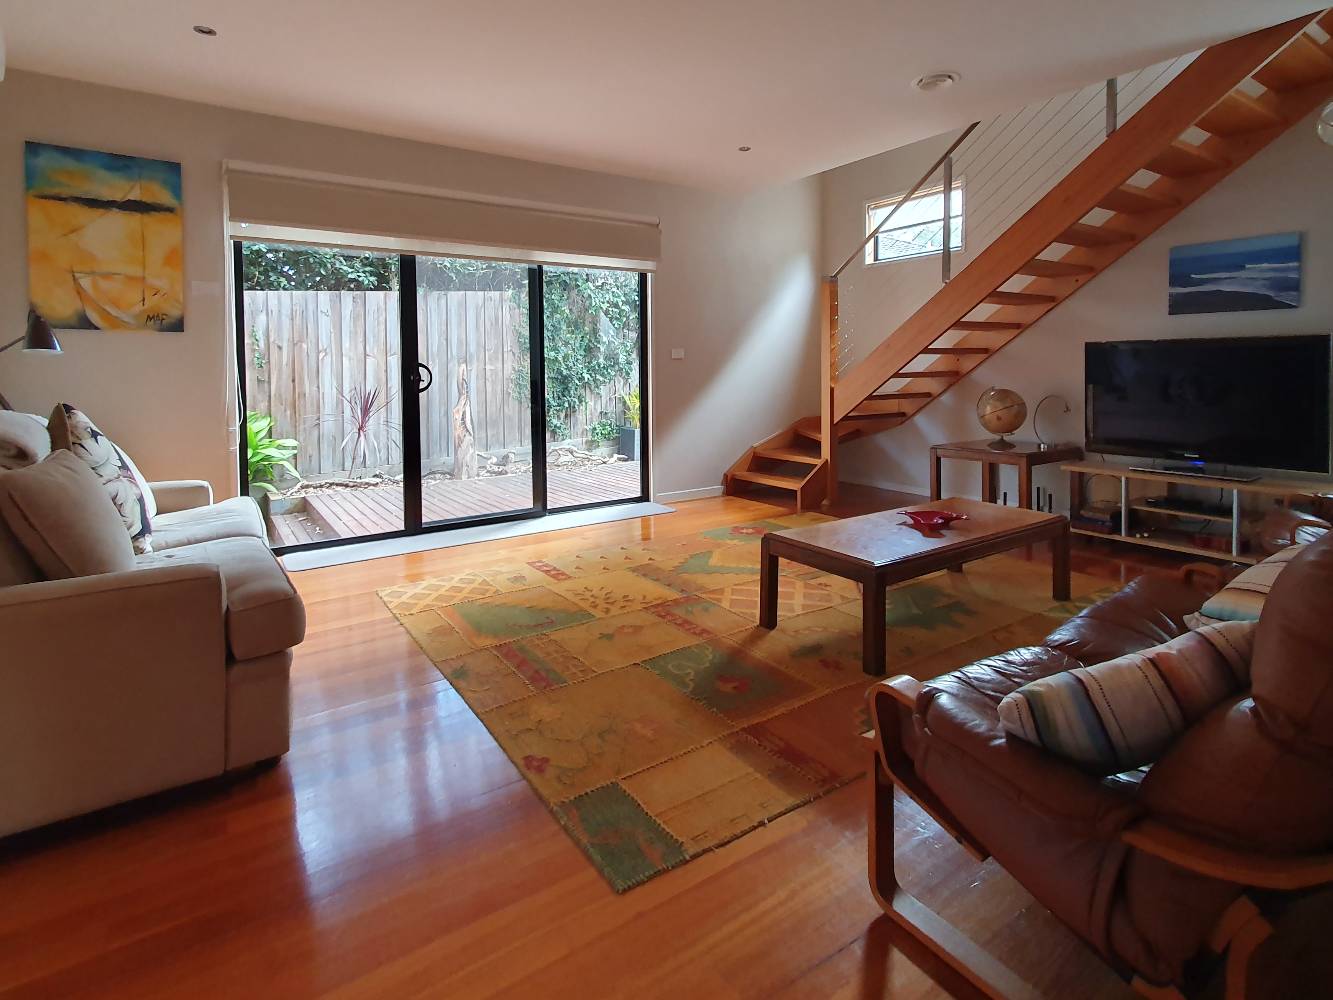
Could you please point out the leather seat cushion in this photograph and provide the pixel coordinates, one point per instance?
(969, 697)
(237, 517)
(1148, 612)
(1258, 771)
(961, 711)
(264, 612)
(1226, 778)
(1292, 668)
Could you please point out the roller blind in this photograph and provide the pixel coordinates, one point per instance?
(409, 221)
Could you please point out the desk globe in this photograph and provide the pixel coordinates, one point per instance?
(1001, 412)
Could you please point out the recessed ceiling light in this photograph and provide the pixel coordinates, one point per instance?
(936, 81)
(203, 29)
(742, 149)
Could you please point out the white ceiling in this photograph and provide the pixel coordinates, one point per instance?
(665, 90)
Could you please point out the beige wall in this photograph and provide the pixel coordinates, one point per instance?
(735, 287)
(1284, 188)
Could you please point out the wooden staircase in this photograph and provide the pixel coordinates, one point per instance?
(1097, 213)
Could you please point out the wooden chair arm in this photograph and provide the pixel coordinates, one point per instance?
(1308, 521)
(903, 688)
(1207, 857)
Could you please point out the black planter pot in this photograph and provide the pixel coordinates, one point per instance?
(629, 443)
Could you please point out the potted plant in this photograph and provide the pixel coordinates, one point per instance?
(629, 433)
(265, 457)
(604, 433)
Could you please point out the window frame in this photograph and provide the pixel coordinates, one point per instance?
(871, 248)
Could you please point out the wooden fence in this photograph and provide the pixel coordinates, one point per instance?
(310, 354)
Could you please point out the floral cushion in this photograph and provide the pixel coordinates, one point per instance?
(1123, 713)
(1242, 600)
(72, 430)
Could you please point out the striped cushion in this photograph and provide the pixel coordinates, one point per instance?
(1243, 598)
(1123, 713)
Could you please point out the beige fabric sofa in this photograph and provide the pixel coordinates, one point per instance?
(123, 684)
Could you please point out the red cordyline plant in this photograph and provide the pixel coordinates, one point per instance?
(365, 405)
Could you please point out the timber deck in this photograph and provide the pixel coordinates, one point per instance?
(353, 513)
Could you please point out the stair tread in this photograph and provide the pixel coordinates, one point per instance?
(1040, 267)
(879, 407)
(1301, 63)
(788, 455)
(985, 325)
(1081, 234)
(935, 374)
(998, 298)
(1132, 199)
(808, 428)
(769, 479)
(1239, 112)
(858, 414)
(956, 351)
(1181, 159)
(886, 396)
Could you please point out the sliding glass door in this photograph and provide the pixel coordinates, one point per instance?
(319, 354)
(593, 387)
(390, 394)
(474, 344)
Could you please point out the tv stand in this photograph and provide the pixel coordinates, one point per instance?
(1193, 473)
(1149, 514)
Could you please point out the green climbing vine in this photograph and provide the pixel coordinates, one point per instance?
(583, 353)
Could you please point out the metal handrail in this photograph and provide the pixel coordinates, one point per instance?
(906, 197)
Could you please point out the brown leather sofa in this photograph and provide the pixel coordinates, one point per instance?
(1154, 871)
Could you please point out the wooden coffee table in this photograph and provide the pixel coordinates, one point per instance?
(878, 550)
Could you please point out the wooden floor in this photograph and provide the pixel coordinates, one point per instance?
(373, 510)
(396, 852)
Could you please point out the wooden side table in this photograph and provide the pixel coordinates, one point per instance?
(1025, 456)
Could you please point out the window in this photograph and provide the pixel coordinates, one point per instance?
(916, 229)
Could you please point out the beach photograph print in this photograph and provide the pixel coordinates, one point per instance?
(104, 239)
(1259, 272)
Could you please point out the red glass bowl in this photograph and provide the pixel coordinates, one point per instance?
(932, 518)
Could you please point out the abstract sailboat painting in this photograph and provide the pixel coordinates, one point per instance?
(1258, 272)
(104, 240)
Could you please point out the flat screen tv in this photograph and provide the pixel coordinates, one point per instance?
(1261, 402)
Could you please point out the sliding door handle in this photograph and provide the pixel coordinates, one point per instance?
(423, 379)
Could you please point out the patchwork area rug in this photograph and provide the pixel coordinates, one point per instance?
(634, 691)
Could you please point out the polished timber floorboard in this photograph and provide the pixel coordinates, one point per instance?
(396, 852)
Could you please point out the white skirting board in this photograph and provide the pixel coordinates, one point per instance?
(677, 496)
(339, 555)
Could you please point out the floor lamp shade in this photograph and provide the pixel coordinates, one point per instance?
(39, 336)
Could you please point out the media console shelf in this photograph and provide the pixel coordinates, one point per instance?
(1134, 502)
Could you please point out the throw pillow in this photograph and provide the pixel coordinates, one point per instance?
(1243, 598)
(23, 439)
(72, 430)
(1123, 713)
(62, 516)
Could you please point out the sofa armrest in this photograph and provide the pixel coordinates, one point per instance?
(181, 494)
(111, 687)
